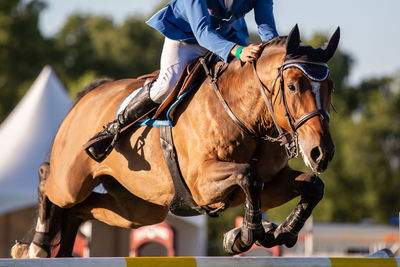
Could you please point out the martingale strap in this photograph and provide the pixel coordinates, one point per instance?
(213, 80)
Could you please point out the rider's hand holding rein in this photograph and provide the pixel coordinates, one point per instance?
(247, 53)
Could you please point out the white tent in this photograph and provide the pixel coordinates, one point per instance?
(26, 137)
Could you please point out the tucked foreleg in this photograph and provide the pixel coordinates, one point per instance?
(311, 189)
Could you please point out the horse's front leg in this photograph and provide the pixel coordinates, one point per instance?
(288, 184)
(224, 177)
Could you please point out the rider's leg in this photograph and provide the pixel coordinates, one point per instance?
(100, 145)
(174, 58)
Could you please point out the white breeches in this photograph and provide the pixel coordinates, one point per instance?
(174, 58)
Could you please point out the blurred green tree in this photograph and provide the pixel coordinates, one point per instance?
(22, 50)
(95, 44)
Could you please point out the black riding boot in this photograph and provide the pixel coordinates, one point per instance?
(101, 145)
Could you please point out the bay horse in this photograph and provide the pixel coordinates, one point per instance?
(282, 101)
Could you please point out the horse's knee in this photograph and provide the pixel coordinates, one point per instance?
(312, 189)
(248, 179)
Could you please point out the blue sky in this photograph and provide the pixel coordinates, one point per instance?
(370, 30)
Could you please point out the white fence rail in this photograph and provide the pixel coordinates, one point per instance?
(203, 262)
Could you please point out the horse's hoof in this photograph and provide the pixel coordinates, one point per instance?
(268, 240)
(286, 238)
(35, 251)
(291, 242)
(19, 250)
(232, 242)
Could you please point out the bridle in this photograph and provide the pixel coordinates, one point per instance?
(287, 139)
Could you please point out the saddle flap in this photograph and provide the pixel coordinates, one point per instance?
(194, 72)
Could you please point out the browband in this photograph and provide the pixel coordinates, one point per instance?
(315, 71)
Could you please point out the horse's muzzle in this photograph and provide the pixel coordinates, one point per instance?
(321, 156)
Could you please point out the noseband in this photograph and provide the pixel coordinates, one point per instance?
(289, 139)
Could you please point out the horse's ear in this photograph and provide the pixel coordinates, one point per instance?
(293, 40)
(331, 46)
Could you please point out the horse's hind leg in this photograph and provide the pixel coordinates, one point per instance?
(47, 226)
(69, 229)
(118, 207)
(287, 185)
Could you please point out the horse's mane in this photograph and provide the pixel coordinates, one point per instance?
(91, 86)
(280, 40)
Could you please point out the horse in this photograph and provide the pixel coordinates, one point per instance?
(282, 102)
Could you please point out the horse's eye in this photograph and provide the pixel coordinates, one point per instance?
(292, 87)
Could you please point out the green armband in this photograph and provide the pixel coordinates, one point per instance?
(238, 51)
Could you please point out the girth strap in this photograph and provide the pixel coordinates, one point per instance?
(182, 204)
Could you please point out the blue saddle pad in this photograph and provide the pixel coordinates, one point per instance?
(157, 122)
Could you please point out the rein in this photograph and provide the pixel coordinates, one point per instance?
(287, 139)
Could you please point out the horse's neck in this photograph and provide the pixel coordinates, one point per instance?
(239, 85)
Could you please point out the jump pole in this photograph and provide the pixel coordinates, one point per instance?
(203, 262)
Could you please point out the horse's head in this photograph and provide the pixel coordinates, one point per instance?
(301, 97)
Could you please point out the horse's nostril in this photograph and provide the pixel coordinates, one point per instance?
(316, 154)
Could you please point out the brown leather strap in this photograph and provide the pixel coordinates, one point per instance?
(234, 118)
(303, 119)
(182, 204)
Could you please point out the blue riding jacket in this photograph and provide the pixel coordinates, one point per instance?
(213, 25)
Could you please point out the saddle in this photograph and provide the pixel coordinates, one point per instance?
(193, 74)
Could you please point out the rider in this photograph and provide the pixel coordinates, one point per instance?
(191, 28)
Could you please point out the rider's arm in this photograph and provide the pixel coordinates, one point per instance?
(264, 16)
(200, 23)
